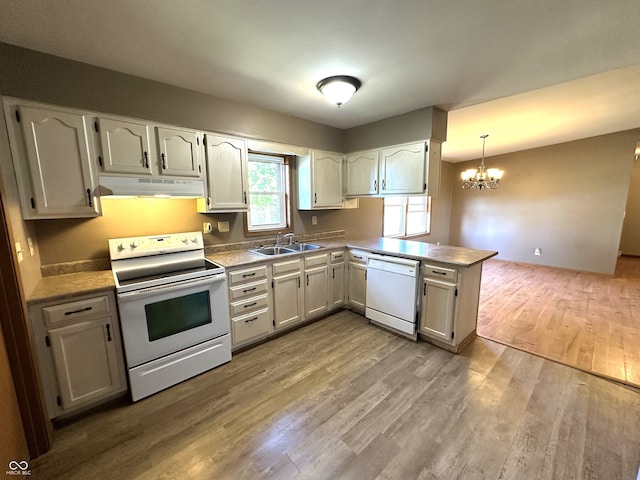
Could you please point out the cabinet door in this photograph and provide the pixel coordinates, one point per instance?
(327, 179)
(362, 173)
(438, 310)
(124, 146)
(226, 173)
(179, 152)
(288, 300)
(85, 360)
(337, 285)
(403, 169)
(316, 296)
(59, 163)
(357, 285)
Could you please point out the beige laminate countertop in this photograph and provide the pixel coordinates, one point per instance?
(458, 256)
(58, 287)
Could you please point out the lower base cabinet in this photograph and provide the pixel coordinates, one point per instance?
(449, 304)
(80, 352)
(288, 294)
(357, 280)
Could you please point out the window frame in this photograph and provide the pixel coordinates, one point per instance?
(405, 204)
(288, 186)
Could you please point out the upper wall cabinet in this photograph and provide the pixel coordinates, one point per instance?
(124, 146)
(134, 147)
(362, 172)
(402, 169)
(226, 175)
(408, 169)
(179, 152)
(52, 159)
(320, 182)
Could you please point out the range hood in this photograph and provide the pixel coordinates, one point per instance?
(150, 186)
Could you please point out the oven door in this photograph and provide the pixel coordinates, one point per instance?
(158, 321)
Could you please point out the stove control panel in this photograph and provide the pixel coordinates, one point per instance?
(121, 248)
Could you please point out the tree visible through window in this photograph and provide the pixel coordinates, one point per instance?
(268, 193)
(406, 216)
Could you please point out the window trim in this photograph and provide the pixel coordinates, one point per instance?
(288, 162)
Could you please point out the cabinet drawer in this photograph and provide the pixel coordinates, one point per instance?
(247, 290)
(337, 257)
(251, 326)
(285, 267)
(358, 256)
(247, 275)
(70, 311)
(315, 260)
(251, 305)
(442, 273)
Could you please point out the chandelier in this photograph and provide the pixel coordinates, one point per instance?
(483, 177)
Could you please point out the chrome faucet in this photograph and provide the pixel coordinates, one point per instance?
(280, 239)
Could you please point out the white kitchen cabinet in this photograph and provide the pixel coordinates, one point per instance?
(124, 146)
(288, 296)
(316, 292)
(52, 158)
(179, 152)
(320, 181)
(407, 169)
(449, 305)
(226, 175)
(250, 304)
(362, 173)
(80, 352)
(438, 308)
(336, 280)
(402, 169)
(357, 279)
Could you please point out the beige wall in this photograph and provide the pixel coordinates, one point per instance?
(36, 76)
(630, 241)
(566, 199)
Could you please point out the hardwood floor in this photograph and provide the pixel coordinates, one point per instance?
(341, 399)
(585, 320)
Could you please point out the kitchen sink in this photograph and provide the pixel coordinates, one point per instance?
(296, 247)
(272, 250)
(302, 247)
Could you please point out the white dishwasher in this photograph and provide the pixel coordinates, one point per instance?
(392, 287)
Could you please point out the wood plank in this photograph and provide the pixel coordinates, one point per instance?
(340, 398)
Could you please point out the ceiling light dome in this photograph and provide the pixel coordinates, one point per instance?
(339, 89)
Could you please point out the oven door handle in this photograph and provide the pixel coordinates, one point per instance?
(150, 291)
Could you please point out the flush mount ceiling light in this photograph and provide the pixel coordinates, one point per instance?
(339, 89)
(481, 178)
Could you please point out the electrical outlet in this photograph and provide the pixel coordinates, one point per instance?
(207, 227)
(30, 243)
(314, 220)
(537, 251)
(223, 227)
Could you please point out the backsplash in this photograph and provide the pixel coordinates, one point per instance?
(105, 263)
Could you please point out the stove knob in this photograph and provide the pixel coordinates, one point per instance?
(184, 239)
(194, 239)
(121, 246)
(134, 244)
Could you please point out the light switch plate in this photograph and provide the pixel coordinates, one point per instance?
(223, 227)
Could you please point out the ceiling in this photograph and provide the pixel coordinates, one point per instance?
(527, 72)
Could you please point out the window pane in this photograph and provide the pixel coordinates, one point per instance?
(393, 221)
(266, 209)
(267, 192)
